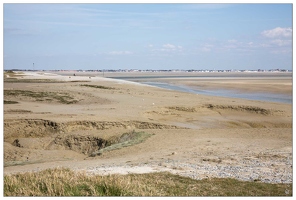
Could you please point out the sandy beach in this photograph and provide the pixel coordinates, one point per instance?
(56, 120)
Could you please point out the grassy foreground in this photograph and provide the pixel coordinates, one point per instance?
(64, 182)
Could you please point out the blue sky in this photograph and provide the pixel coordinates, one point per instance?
(147, 36)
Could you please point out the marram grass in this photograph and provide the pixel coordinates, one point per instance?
(64, 182)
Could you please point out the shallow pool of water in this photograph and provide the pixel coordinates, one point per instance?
(279, 98)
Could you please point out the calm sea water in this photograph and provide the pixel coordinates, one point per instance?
(280, 98)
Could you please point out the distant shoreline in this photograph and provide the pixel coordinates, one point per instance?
(266, 86)
(134, 75)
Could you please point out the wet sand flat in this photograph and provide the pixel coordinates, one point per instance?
(267, 82)
(258, 84)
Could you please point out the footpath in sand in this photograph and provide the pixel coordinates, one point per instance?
(62, 121)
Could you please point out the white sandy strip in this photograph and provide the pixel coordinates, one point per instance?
(198, 172)
(41, 75)
(122, 170)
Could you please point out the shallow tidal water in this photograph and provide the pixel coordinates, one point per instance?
(270, 97)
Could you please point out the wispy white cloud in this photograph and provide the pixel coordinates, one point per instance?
(166, 50)
(232, 41)
(171, 47)
(77, 15)
(278, 37)
(281, 51)
(206, 47)
(231, 45)
(120, 53)
(16, 31)
(64, 23)
(277, 40)
(280, 42)
(206, 6)
(278, 33)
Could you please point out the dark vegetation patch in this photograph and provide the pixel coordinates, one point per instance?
(9, 72)
(252, 109)
(17, 111)
(42, 96)
(79, 81)
(18, 80)
(182, 108)
(98, 87)
(10, 102)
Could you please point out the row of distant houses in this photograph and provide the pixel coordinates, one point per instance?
(150, 70)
